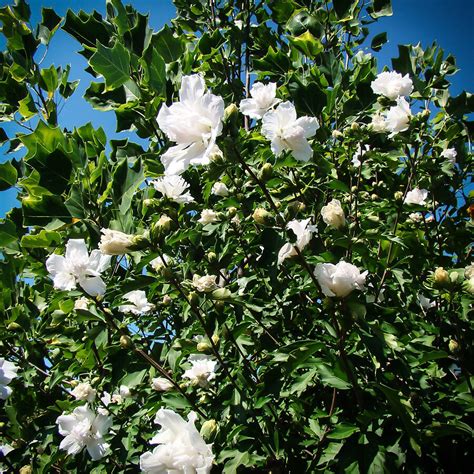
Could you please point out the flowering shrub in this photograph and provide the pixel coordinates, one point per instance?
(285, 261)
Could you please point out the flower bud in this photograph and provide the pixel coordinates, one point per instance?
(151, 202)
(203, 346)
(337, 134)
(231, 112)
(203, 398)
(211, 257)
(469, 285)
(262, 216)
(374, 197)
(398, 196)
(266, 172)
(125, 342)
(354, 189)
(28, 469)
(355, 126)
(193, 298)
(231, 212)
(441, 276)
(453, 346)
(219, 305)
(166, 300)
(13, 326)
(373, 218)
(208, 429)
(215, 339)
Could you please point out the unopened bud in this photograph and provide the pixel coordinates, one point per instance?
(266, 172)
(203, 398)
(374, 197)
(441, 276)
(26, 470)
(203, 346)
(166, 300)
(262, 216)
(193, 298)
(13, 326)
(215, 339)
(230, 112)
(125, 341)
(231, 212)
(151, 202)
(453, 345)
(211, 257)
(373, 218)
(337, 134)
(355, 126)
(354, 189)
(208, 429)
(398, 196)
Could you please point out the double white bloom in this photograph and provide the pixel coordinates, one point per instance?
(202, 369)
(303, 232)
(208, 216)
(8, 371)
(205, 283)
(114, 242)
(416, 196)
(339, 280)
(139, 303)
(220, 189)
(84, 428)
(287, 132)
(263, 99)
(84, 391)
(193, 124)
(78, 267)
(333, 214)
(392, 85)
(450, 154)
(181, 449)
(398, 117)
(173, 187)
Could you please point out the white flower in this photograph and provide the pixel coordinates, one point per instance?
(469, 271)
(202, 371)
(193, 124)
(173, 187)
(208, 216)
(339, 280)
(426, 303)
(83, 428)
(82, 303)
(360, 152)
(239, 24)
(161, 384)
(303, 233)
(415, 217)
(333, 214)
(220, 189)
(77, 266)
(157, 263)
(205, 283)
(114, 242)
(140, 304)
(416, 196)
(398, 117)
(286, 132)
(378, 123)
(263, 99)
(181, 449)
(392, 85)
(8, 371)
(124, 391)
(84, 391)
(450, 154)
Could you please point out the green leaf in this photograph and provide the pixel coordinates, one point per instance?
(8, 175)
(27, 107)
(309, 99)
(42, 239)
(378, 41)
(50, 23)
(342, 431)
(342, 7)
(380, 8)
(112, 63)
(307, 44)
(167, 45)
(155, 71)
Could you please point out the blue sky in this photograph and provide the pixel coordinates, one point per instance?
(451, 24)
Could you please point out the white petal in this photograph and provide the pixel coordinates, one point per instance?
(93, 286)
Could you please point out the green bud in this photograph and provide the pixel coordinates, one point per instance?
(203, 346)
(208, 429)
(441, 276)
(262, 216)
(26, 470)
(231, 212)
(398, 196)
(211, 257)
(337, 134)
(13, 326)
(453, 345)
(166, 300)
(373, 218)
(266, 172)
(355, 126)
(215, 339)
(193, 298)
(374, 197)
(231, 113)
(125, 342)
